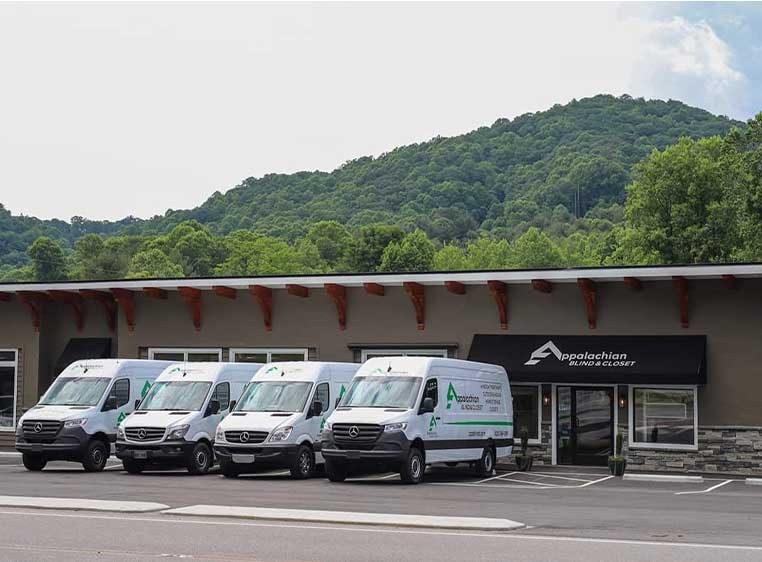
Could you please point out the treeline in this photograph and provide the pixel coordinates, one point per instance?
(697, 201)
(562, 171)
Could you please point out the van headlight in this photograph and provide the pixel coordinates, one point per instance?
(120, 432)
(178, 432)
(80, 422)
(281, 434)
(401, 426)
(220, 435)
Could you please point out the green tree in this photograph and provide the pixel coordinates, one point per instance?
(369, 244)
(331, 240)
(153, 263)
(534, 249)
(48, 260)
(486, 253)
(414, 253)
(86, 258)
(449, 258)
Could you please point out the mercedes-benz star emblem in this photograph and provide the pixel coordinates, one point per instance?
(141, 433)
(244, 436)
(354, 431)
(37, 427)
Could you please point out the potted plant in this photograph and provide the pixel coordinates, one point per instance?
(524, 459)
(617, 462)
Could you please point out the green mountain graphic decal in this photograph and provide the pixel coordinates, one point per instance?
(145, 389)
(451, 395)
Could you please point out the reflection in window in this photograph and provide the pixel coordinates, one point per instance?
(664, 415)
(526, 410)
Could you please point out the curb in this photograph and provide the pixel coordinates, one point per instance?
(664, 478)
(754, 481)
(348, 517)
(81, 504)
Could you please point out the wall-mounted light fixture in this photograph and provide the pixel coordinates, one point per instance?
(546, 399)
(622, 400)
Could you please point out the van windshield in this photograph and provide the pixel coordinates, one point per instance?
(274, 397)
(75, 391)
(382, 392)
(176, 395)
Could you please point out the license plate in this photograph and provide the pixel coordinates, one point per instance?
(37, 448)
(243, 459)
(140, 454)
(353, 454)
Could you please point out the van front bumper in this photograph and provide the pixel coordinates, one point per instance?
(69, 443)
(165, 451)
(392, 446)
(263, 454)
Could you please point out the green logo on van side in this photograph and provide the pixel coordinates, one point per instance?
(433, 424)
(145, 389)
(120, 419)
(451, 395)
(341, 392)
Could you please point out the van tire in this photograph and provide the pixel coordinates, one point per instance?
(200, 460)
(336, 472)
(133, 466)
(229, 469)
(485, 467)
(411, 471)
(35, 463)
(303, 465)
(96, 455)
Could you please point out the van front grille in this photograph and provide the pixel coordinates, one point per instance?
(143, 434)
(245, 436)
(40, 429)
(349, 435)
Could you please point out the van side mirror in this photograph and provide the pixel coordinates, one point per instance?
(427, 406)
(232, 405)
(137, 403)
(214, 407)
(317, 408)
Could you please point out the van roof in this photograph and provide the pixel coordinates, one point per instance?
(108, 367)
(301, 370)
(203, 371)
(421, 366)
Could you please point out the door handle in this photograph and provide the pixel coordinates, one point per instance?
(437, 418)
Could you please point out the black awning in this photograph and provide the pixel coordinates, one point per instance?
(595, 359)
(83, 348)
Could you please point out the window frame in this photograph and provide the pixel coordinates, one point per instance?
(532, 441)
(394, 352)
(214, 391)
(111, 390)
(665, 446)
(15, 365)
(434, 378)
(185, 351)
(327, 405)
(268, 351)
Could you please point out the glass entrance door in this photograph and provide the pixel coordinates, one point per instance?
(585, 425)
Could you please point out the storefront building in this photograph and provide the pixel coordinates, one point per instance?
(669, 356)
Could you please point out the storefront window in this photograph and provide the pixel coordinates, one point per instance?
(267, 355)
(664, 416)
(526, 410)
(7, 389)
(190, 355)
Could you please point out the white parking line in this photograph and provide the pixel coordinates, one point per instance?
(594, 482)
(541, 475)
(496, 477)
(720, 485)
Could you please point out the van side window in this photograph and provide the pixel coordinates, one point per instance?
(222, 395)
(121, 392)
(431, 391)
(323, 395)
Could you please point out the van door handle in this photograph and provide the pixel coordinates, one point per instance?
(437, 418)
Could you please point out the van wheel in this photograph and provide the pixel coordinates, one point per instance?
(485, 466)
(413, 468)
(335, 472)
(304, 463)
(133, 466)
(33, 462)
(200, 460)
(229, 469)
(96, 456)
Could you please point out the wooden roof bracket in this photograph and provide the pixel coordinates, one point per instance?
(126, 301)
(33, 300)
(192, 298)
(264, 296)
(417, 295)
(589, 297)
(681, 287)
(338, 294)
(499, 292)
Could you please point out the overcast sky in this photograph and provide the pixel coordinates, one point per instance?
(115, 109)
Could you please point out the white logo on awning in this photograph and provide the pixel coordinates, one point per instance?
(542, 352)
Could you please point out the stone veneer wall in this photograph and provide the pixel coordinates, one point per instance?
(731, 450)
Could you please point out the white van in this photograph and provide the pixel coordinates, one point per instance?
(176, 421)
(409, 412)
(278, 420)
(76, 419)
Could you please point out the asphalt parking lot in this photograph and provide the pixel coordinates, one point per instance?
(551, 501)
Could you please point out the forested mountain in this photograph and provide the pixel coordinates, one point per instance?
(563, 171)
